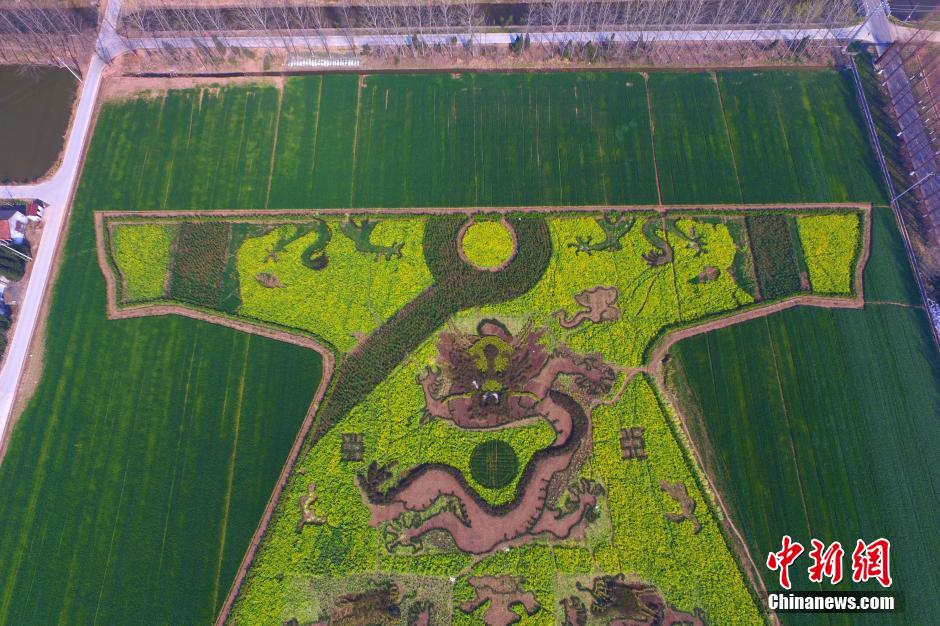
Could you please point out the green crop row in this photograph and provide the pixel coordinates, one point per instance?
(775, 261)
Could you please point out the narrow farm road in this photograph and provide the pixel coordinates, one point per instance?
(57, 192)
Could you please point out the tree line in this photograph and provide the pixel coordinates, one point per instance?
(43, 33)
(36, 31)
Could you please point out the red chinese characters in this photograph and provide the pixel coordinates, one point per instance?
(827, 562)
(872, 560)
(782, 560)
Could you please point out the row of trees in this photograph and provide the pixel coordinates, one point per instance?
(37, 32)
(43, 33)
(415, 27)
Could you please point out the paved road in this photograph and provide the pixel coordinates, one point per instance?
(864, 34)
(58, 189)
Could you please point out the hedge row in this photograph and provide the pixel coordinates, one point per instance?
(775, 261)
(198, 263)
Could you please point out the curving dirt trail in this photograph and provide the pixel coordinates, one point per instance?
(482, 527)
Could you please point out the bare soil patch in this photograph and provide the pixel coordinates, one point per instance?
(122, 87)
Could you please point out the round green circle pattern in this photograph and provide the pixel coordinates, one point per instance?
(494, 464)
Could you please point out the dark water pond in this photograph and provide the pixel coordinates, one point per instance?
(34, 115)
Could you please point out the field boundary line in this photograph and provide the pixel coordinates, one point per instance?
(230, 479)
(316, 130)
(115, 312)
(724, 120)
(712, 496)
(355, 145)
(649, 109)
(574, 67)
(675, 274)
(789, 423)
(262, 215)
(277, 128)
(861, 262)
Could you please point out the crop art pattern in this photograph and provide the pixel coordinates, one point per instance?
(496, 443)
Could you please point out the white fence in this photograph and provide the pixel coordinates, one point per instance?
(313, 62)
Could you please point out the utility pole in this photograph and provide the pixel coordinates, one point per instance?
(911, 188)
(66, 66)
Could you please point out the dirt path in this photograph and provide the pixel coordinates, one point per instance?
(277, 128)
(724, 120)
(481, 527)
(649, 106)
(265, 215)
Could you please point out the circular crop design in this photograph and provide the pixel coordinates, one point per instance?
(487, 245)
(494, 464)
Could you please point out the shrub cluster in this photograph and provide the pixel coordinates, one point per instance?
(198, 264)
(13, 266)
(775, 262)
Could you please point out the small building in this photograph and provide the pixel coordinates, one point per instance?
(14, 217)
(13, 223)
(34, 210)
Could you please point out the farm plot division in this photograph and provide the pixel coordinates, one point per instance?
(205, 150)
(845, 455)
